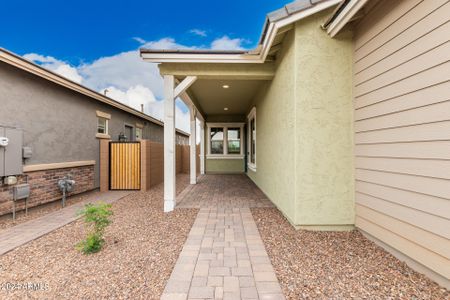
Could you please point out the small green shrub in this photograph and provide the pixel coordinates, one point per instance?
(96, 217)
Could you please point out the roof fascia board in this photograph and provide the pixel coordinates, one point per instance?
(345, 16)
(306, 13)
(30, 67)
(201, 58)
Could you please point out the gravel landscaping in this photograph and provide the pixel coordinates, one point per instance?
(337, 265)
(142, 246)
(7, 221)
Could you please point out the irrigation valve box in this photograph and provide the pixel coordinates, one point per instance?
(10, 151)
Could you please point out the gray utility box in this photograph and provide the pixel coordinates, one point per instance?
(10, 151)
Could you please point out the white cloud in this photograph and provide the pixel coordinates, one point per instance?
(128, 78)
(57, 66)
(198, 32)
(225, 43)
(139, 40)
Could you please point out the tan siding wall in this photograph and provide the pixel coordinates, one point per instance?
(402, 129)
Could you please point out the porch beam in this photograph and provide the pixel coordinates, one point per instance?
(184, 85)
(264, 71)
(193, 147)
(169, 144)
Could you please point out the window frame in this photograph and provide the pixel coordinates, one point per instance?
(103, 116)
(251, 116)
(225, 154)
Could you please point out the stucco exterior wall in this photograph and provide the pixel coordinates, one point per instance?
(59, 124)
(304, 136)
(324, 130)
(224, 166)
(275, 131)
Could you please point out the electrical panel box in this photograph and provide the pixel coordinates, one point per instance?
(27, 152)
(21, 191)
(11, 151)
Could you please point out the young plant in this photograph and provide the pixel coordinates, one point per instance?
(96, 217)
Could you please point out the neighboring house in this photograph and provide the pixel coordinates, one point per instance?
(61, 122)
(340, 116)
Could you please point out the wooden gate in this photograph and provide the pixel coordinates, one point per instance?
(125, 166)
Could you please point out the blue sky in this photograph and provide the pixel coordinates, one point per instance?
(95, 42)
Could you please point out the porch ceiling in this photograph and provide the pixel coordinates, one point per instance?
(212, 97)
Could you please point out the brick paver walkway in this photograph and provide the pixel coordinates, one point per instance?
(224, 256)
(21, 234)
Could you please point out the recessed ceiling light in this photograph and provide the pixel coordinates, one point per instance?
(225, 86)
(225, 108)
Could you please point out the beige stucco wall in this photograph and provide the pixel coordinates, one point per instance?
(224, 166)
(304, 130)
(323, 122)
(275, 130)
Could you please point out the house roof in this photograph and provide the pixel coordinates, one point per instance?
(344, 14)
(28, 66)
(277, 23)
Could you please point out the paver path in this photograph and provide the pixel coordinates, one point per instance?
(20, 234)
(224, 256)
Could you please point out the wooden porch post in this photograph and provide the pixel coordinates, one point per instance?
(193, 164)
(169, 144)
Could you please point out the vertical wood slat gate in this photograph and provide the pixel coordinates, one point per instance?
(125, 166)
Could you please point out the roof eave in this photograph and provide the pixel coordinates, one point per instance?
(343, 15)
(293, 14)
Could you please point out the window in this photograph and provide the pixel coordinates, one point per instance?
(225, 140)
(138, 133)
(102, 125)
(234, 140)
(217, 140)
(252, 139)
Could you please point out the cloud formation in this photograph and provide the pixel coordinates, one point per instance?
(128, 78)
(225, 43)
(198, 32)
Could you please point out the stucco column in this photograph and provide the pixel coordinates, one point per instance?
(169, 144)
(202, 147)
(193, 164)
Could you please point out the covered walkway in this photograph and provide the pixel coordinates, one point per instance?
(224, 256)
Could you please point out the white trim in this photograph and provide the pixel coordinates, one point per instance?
(106, 133)
(184, 85)
(251, 116)
(228, 156)
(193, 147)
(225, 127)
(345, 16)
(251, 167)
(202, 147)
(169, 144)
(257, 55)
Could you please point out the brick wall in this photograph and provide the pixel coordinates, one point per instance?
(44, 187)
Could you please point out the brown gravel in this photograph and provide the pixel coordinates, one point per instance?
(6, 221)
(337, 265)
(142, 246)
